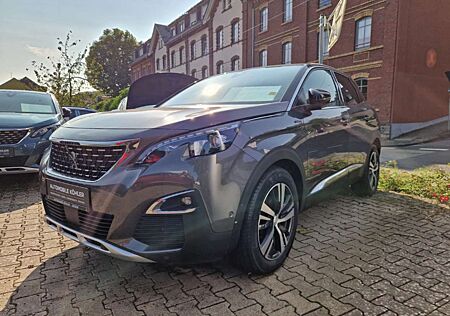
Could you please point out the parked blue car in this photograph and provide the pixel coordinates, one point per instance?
(27, 119)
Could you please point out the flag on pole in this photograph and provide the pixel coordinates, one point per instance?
(336, 20)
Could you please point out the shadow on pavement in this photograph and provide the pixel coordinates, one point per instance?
(18, 191)
(348, 248)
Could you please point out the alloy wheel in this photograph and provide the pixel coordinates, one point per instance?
(276, 221)
(374, 168)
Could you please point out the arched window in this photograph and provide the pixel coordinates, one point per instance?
(164, 62)
(158, 64)
(263, 58)
(235, 63)
(235, 31)
(204, 72)
(264, 19)
(181, 55)
(287, 10)
(363, 33)
(219, 67)
(287, 53)
(363, 85)
(172, 59)
(193, 72)
(193, 52)
(219, 37)
(204, 42)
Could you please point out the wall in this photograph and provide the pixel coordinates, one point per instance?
(224, 18)
(423, 56)
(199, 61)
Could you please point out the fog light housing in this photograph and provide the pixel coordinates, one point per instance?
(178, 203)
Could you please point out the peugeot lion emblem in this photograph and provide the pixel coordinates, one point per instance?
(73, 157)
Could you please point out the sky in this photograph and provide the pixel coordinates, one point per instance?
(29, 28)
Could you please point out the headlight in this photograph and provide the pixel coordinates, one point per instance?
(200, 143)
(43, 130)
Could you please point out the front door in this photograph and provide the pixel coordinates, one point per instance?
(324, 149)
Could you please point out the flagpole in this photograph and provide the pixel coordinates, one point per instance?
(321, 33)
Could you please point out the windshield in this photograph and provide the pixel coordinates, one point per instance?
(255, 86)
(26, 102)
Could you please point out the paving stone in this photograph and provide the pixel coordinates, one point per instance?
(187, 308)
(301, 304)
(236, 299)
(269, 302)
(352, 256)
(205, 297)
(363, 305)
(218, 310)
(334, 306)
(92, 306)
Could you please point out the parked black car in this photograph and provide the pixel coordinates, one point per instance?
(71, 112)
(151, 89)
(27, 119)
(221, 168)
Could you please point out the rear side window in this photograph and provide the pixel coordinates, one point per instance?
(349, 92)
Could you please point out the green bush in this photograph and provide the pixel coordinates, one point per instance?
(433, 183)
(111, 103)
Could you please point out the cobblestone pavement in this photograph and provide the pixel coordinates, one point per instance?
(386, 255)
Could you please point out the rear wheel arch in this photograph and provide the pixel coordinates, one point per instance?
(284, 158)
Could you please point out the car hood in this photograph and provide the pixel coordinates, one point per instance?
(175, 117)
(26, 120)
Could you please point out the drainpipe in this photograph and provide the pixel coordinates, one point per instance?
(253, 35)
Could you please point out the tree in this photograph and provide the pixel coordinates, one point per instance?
(62, 75)
(109, 59)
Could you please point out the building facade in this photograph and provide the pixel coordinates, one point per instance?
(205, 41)
(394, 49)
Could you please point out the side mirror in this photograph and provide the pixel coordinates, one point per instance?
(318, 98)
(66, 113)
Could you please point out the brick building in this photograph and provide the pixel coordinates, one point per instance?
(396, 50)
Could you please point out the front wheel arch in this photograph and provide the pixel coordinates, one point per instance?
(284, 158)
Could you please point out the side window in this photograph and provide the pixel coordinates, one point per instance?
(351, 96)
(319, 79)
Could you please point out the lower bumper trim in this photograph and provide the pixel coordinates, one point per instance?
(96, 244)
(17, 170)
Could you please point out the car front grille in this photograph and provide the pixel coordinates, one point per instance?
(13, 161)
(11, 137)
(84, 162)
(161, 232)
(90, 223)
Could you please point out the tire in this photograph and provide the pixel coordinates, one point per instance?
(261, 248)
(368, 184)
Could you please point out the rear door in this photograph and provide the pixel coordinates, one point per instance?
(325, 145)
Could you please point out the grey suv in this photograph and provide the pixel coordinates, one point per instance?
(223, 167)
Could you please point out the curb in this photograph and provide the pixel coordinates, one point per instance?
(411, 142)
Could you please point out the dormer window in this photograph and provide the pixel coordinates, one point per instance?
(226, 4)
(173, 31)
(181, 26)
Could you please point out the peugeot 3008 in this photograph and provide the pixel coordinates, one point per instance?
(27, 119)
(222, 167)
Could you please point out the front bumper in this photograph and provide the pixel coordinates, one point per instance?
(117, 222)
(95, 243)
